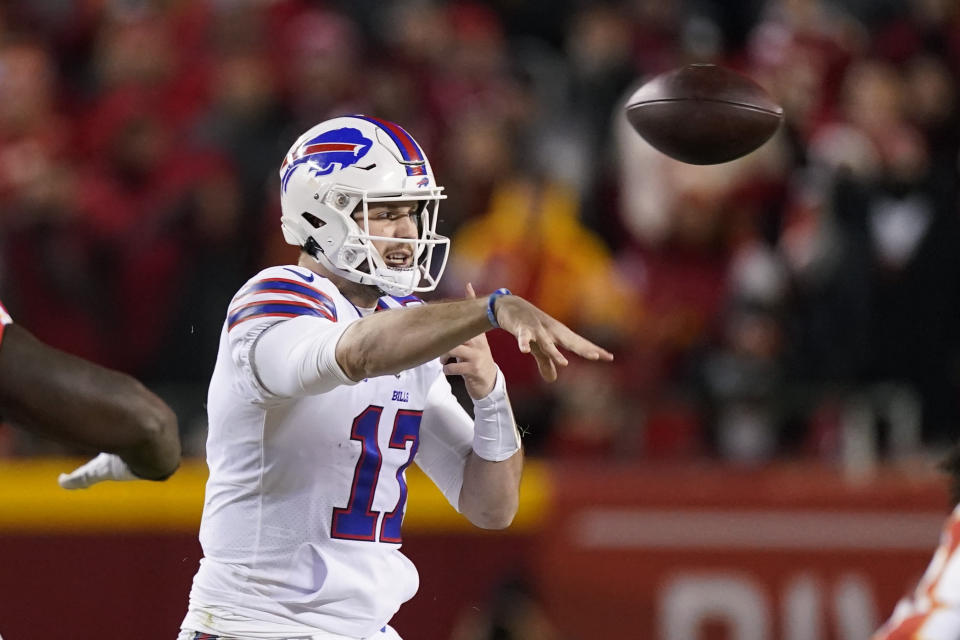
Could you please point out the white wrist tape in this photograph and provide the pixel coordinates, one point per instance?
(495, 435)
(105, 466)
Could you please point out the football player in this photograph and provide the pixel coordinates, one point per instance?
(932, 610)
(329, 383)
(53, 393)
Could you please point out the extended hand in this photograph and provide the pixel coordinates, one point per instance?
(474, 362)
(540, 334)
(105, 466)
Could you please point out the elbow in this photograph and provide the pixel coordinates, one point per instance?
(160, 423)
(495, 519)
(157, 453)
(361, 363)
(355, 364)
(495, 522)
(154, 420)
(164, 438)
(354, 355)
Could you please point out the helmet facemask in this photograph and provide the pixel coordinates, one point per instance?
(357, 259)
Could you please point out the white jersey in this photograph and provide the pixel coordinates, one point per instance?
(301, 528)
(932, 611)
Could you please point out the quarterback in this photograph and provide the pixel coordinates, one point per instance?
(330, 381)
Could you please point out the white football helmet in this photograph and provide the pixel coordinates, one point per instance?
(339, 167)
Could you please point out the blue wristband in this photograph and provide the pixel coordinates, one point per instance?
(491, 301)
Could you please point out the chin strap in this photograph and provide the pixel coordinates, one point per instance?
(312, 248)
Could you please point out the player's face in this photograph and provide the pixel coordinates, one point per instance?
(393, 220)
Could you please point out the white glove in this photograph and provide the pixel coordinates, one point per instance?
(105, 466)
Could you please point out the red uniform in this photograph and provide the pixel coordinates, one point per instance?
(932, 611)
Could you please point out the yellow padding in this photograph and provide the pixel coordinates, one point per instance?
(31, 501)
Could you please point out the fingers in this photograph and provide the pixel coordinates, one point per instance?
(105, 466)
(73, 480)
(459, 352)
(79, 478)
(472, 349)
(548, 357)
(551, 350)
(583, 347)
(470, 292)
(457, 368)
(543, 345)
(541, 335)
(548, 370)
(544, 350)
(523, 340)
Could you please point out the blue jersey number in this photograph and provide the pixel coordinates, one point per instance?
(357, 521)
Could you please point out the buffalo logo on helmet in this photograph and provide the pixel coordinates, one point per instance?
(328, 152)
(423, 182)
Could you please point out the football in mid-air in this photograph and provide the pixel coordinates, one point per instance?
(703, 114)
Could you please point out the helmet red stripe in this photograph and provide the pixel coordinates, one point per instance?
(322, 147)
(408, 146)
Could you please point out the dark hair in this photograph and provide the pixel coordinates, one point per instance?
(951, 465)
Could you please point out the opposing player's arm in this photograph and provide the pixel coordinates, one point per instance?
(53, 393)
(393, 341)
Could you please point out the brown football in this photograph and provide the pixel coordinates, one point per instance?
(703, 114)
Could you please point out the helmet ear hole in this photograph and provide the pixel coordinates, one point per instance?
(312, 220)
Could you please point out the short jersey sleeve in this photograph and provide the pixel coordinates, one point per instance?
(274, 295)
(5, 319)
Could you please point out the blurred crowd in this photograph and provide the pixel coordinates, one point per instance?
(801, 301)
